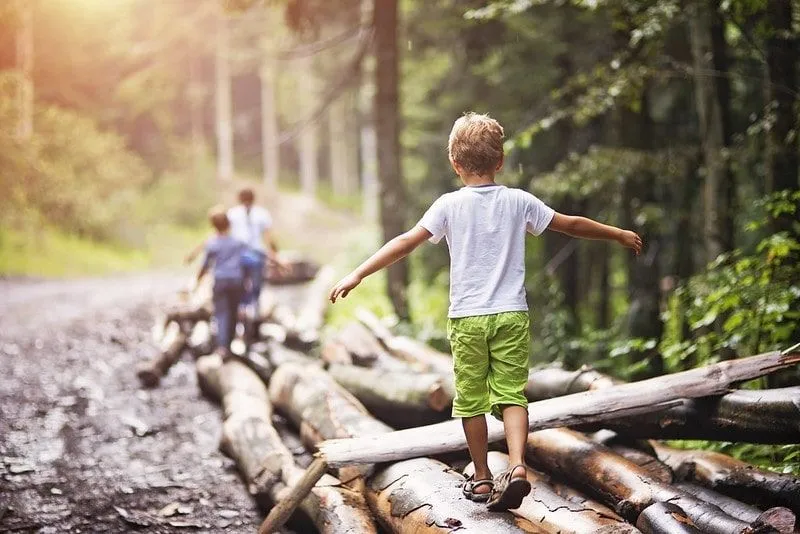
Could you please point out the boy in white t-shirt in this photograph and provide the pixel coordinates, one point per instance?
(485, 225)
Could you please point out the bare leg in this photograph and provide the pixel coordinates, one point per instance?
(478, 442)
(515, 422)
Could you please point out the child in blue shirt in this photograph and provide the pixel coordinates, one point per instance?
(224, 254)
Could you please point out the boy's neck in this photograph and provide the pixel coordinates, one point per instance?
(476, 180)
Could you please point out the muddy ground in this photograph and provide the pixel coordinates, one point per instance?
(82, 447)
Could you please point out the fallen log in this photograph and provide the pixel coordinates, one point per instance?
(572, 495)
(665, 518)
(200, 341)
(306, 328)
(733, 477)
(423, 496)
(766, 416)
(296, 271)
(621, 482)
(365, 350)
(171, 348)
(552, 382)
(265, 463)
(407, 348)
(550, 513)
(190, 314)
(400, 399)
(779, 517)
(655, 469)
(588, 407)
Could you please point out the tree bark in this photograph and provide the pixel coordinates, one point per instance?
(423, 496)
(387, 126)
(551, 513)
(654, 468)
(619, 481)
(364, 350)
(666, 518)
(555, 381)
(338, 147)
(270, 148)
(781, 518)
(712, 92)
(150, 373)
(733, 477)
(200, 341)
(592, 406)
(224, 98)
(400, 399)
(265, 463)
(305, 330)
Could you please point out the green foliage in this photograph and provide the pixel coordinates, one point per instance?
(778, 458)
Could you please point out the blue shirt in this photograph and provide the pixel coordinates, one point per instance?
(225, 253)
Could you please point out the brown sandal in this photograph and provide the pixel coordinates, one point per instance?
(469, 489)
(509, 491)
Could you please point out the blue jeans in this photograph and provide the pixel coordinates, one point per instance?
(228, 295)
(254, 278)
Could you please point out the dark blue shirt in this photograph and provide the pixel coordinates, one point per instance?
(225, 253)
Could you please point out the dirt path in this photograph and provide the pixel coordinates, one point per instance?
(82, 447)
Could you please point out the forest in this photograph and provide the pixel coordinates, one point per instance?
(675, 118)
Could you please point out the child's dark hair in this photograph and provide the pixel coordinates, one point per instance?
(246, 195)
(219, 219)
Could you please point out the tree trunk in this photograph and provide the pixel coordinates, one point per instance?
(654, 468)
(309, 171)
(733, 477)
(196, 95)
(666, 518)
(337, 132)
(400, 399)
(266, 464)
(365, 350)
(387, 126)
(712, 92)
(25, 59)
(423, 496)
(549, 512)
(592, 406)
(224, 98)
(620, 481)
(270, 148)
(170, 350)
(555, 382)
(781, 518)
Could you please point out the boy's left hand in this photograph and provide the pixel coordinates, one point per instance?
(344, 286)
(630, 240)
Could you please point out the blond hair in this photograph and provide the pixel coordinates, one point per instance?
(219, 219)
(476, 143)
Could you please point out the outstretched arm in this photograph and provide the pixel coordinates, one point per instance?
(194, 253)
(399, 247)
(588, 229)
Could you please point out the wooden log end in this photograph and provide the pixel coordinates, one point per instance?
(779, 518)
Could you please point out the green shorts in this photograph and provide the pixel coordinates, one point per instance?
(490, 360)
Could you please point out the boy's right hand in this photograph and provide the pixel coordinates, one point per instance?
(344, 286)
(630, 240)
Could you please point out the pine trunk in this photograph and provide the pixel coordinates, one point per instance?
(309, 170)
(270, 148)
(712, 93)
(387, 130)
(647, 396)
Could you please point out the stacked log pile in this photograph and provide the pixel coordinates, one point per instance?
(347, 395)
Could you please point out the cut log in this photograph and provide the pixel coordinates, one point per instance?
(551, 513)
(655, 469)
(555, 382)
(407, 348)
(265, 463)
(569, 493)
(620, 482)
(781, 518)
(174, 341)
(588, 407)
(366, 350)
(297, 271)
(665, 518)
(767, 416)
(200, 341)
(306, 329)
(733, 477)
(400, 399)
(423, 496)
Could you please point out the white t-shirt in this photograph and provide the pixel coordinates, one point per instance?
(485, 227)
(249, 226)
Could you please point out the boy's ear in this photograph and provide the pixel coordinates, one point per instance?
(500, 163)
(455, 165)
